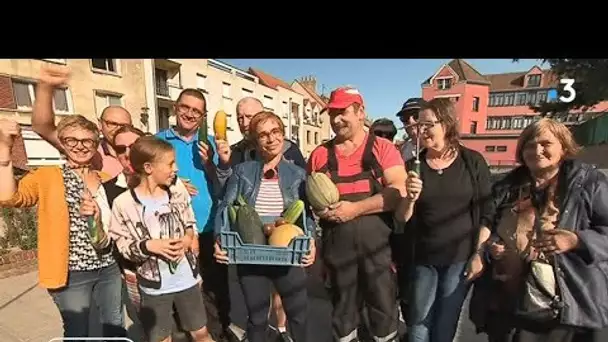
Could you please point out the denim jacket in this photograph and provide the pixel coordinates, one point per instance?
(246, 179)
(582, 273)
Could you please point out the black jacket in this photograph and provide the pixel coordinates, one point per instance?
(582, 274)
(482, 208)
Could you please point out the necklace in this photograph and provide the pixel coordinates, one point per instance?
(432, 163)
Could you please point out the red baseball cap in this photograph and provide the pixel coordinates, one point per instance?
(344, 97)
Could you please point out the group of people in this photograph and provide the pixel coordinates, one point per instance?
(134, 218)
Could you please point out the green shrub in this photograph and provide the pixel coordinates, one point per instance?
(21, 229)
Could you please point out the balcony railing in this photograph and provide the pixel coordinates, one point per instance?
(162, 88)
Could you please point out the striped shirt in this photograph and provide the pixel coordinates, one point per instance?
(269, 201)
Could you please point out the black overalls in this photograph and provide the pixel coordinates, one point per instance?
(357, 256)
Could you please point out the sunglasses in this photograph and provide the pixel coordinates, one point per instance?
(121, 149)
(384, 134)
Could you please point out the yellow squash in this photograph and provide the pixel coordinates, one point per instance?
(220, 125)
(282, 235)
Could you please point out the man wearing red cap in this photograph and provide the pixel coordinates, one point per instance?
(370, 175)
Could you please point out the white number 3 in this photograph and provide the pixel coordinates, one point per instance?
(568, 82)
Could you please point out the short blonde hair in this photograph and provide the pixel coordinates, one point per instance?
(558, 129)
(77, 121)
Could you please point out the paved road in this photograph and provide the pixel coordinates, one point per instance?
(320, 312)
(27, 313)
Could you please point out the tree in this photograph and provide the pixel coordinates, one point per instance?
(591, 84)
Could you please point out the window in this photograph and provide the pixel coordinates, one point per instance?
(533, 81)
(476, 104)
(499, 99)
(226, 90)
(201, 82)
(267, 102)
(517, 122)
(25, 96)
(308, 140)
(490, 148)
(162, 88)
(541, 97)
(521, 99)
(247, 92)
(532, 98)
(528, 120)
(104, 64)
(102, 100)
(505, 123)
(285, 109)
(501, 148)
(163, 117)
(474, 127)
(444, 83)
(509, 99)
(316, 138)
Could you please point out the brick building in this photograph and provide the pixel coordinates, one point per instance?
(493, 109)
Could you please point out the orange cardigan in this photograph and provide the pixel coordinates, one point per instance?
(44, 187)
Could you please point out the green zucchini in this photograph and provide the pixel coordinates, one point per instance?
(248, 224)
(203, 130)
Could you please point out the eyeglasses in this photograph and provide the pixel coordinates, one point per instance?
(114, 124)
(265, 136)
(184, 109)
(73, 142)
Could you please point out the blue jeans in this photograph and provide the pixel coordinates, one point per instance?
(436, 299)
(102, 287)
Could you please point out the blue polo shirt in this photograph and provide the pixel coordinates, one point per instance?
(190, 167)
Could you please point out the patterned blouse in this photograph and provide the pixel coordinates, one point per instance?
(82, 256)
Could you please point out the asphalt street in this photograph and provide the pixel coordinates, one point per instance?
(319, 324)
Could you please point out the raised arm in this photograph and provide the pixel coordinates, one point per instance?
(12, 195)
(43, 118)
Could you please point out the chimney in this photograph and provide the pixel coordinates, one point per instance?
(310, 83)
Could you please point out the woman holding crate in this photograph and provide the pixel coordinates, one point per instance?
(270, 186)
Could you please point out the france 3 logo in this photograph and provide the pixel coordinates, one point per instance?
(571, 92)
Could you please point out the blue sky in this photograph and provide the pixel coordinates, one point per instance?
(384, 83)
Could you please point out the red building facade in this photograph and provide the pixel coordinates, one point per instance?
(492, 110)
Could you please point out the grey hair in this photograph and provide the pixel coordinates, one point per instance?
(247, 99)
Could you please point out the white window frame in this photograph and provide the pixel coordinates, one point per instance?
(31, 87)
(226, 85)
(106, 94)
(201, 82)
(246, 92)
(104, 71)
(442, 83)
(267, 102)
